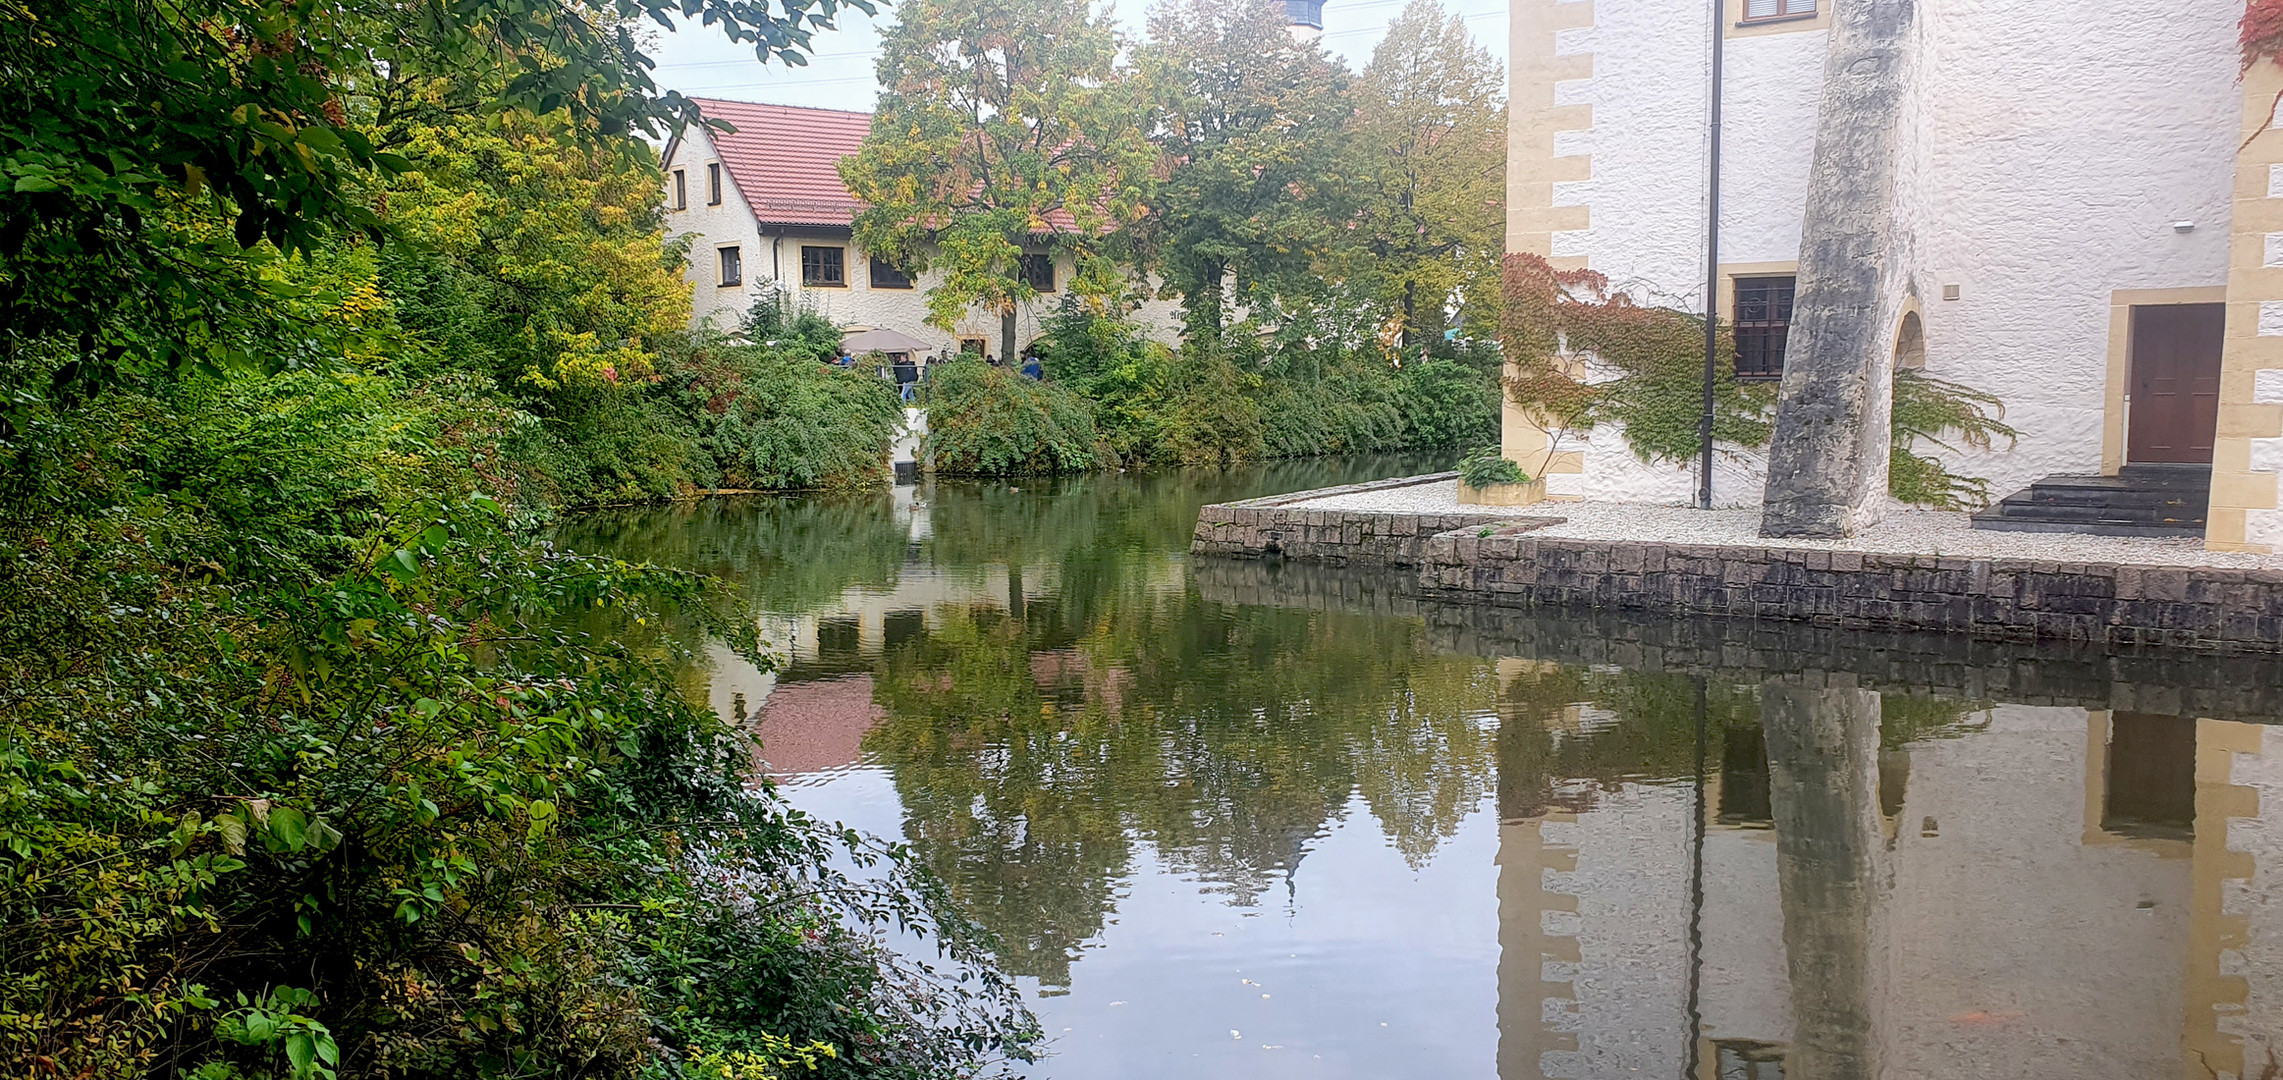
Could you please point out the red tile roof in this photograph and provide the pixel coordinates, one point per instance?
(785, 159)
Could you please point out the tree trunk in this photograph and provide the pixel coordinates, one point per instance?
(1410, 314)
(1827, 468)
(1007, 337)
(1206, 313)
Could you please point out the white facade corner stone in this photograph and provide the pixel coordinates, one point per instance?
(2267, 387)
(2271, 318)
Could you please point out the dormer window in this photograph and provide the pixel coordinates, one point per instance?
(1772, 10)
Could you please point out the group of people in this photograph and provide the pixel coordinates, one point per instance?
(908, 371)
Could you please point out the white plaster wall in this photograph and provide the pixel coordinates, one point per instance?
(2015, 948)
(2047, 151)
(1645, 198)
(2064, 141)
(774, 254)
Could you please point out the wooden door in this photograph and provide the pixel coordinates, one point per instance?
(2175, 382)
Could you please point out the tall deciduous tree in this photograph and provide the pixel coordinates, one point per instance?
(1003, 126)
(1247, 119)
(1429, 146)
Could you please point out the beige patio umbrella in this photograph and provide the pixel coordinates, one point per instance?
(882, 340)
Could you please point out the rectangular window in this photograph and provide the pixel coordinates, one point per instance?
(1037, 271)
(823, 266)
(1763, 322)
(681, 190)
(1764, 10)
(713, 184)
(886, 276)
(732, 267)
(972, 346)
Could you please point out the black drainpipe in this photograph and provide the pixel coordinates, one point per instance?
(1711, 267)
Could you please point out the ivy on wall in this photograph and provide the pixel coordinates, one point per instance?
(1581, 354)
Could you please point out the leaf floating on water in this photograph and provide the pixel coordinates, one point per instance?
(1233, 1034)
(1116, 1003)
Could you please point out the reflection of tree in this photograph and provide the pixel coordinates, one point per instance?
(787, 554)
(1028, 763)
(1033, 748)
(1001, 790)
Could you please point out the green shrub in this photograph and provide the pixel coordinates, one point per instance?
(992, 421)
(778, 420)
(772, 323)
(1487, 466)
(408, 820)
(1123, 375)
(1447, 403)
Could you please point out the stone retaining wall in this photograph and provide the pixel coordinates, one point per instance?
(1497, 559)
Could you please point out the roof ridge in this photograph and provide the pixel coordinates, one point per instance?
(776, 105)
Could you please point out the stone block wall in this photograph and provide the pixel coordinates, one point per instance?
(2195, 607)
(1499, 559)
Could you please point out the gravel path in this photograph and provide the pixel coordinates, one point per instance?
(1913, 531)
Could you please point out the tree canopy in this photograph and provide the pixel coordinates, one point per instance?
(1004, 128)
(1428, 152)
(1248, 120)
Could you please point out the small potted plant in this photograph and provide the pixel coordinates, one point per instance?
(1488, 478)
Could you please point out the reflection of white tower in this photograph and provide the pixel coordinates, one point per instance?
(1305, 18)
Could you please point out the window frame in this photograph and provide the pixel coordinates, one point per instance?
(681, 189)
(730, 259)
(877, 264)
(1784, 12)
(838, 250)
(1025, 265)
(713, 183)
(1763, 328)
(980, 350)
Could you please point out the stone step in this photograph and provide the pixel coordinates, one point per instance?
(1984, 521)
(2142, 500)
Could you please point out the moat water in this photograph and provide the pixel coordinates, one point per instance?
(1246, 820)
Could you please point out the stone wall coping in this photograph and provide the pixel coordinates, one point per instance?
(1289, 498)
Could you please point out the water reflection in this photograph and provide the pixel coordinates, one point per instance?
(1247, 820)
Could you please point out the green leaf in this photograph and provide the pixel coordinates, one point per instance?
(289, 826)
(301, 1050)
(402, 564)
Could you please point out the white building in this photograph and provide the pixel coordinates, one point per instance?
(766, 208)
(2083, 207)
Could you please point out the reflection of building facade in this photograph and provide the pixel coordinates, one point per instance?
(2047, 892)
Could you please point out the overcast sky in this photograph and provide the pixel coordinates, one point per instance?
(699, 61)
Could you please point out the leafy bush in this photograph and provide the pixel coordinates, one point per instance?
(1123, 375)
(991, 421)
(1488, 465)
(414, 821)
(1446, 403)
(775, 419)
(772, 323)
